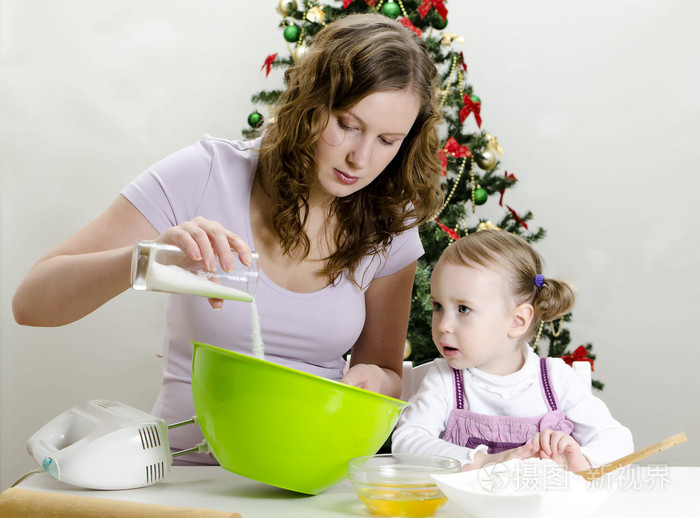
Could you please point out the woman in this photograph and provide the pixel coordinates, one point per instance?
(330, 197)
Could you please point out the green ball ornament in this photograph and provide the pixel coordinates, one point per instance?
(438, 23)
(291, 33)
(255, 119)
(391, 9)
(480, 196)
(475, 99)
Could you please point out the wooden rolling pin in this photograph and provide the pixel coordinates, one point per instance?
(594, 473)
(17, 502)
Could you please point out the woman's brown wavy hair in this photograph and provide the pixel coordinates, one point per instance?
(346, 61)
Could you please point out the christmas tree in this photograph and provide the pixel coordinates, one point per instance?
(470, 155)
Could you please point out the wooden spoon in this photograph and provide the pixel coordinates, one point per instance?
(594, 473)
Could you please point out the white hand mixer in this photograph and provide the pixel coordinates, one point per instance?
(102, 444)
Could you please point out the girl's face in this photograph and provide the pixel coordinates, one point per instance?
(473, 314)
(358, 144)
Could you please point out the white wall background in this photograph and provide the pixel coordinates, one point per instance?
(596, 105)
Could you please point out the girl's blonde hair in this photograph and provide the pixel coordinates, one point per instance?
(555, 298)
(346, 61)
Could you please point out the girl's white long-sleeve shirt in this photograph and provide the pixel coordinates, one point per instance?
(422, 424)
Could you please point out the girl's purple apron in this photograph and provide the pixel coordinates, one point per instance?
(500, 433)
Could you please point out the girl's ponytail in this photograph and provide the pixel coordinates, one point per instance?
(553, 299)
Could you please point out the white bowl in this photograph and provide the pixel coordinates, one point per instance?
(505, 490)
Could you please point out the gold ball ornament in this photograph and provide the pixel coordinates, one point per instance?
(299, 52)
(287, 7)
(487, 160)
(407, 349)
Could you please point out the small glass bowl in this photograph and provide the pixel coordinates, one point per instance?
(400, 484)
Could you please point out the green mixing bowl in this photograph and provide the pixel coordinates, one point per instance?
(281, 426)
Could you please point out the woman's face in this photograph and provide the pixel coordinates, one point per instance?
(359, 143)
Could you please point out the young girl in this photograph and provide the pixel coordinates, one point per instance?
(492, 398)
(330, 197)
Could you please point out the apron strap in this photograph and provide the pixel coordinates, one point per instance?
(459, 388)
(547, 391)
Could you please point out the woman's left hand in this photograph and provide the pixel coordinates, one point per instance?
(369, 377)
(377, 355)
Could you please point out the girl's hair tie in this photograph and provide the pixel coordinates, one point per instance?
(539, 280)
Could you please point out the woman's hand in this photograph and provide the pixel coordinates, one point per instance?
(205, 240)
(376, 361)
(369, 377)
(562, 449)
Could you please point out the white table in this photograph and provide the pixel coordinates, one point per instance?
(651, 491)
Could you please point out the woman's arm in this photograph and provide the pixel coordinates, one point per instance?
(376, 362)
(94, 265)
(82, 273)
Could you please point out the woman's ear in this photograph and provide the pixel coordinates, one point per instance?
(522, 318)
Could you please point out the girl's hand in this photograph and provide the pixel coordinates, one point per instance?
(481, 459)
(562, 449)
(205, 240)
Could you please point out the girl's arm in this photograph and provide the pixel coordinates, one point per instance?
(423, 422)
(602, 438)
(85, 271)
(376, 362)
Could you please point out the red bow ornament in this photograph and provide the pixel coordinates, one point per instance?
(439, 5)
(580, 355)
(268, 63)
(443, 160)
(456, 149)
(471, 106)
(503, 191)
(517, 218)
(454, 235)
(346, 3)
(463, 64)
(407, 23)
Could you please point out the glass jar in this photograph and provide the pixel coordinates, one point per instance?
(166, 268)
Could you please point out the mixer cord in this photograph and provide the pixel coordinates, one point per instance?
(20, 479)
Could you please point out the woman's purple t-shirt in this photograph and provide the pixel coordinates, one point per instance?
(305, 331)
